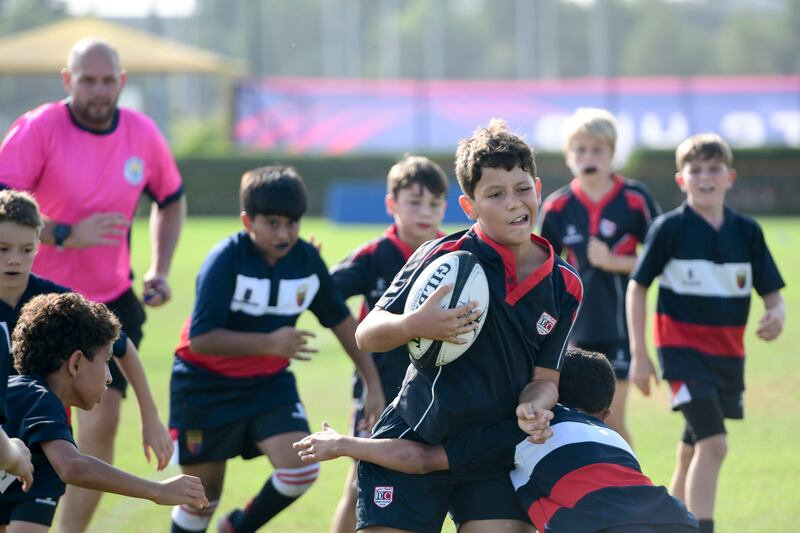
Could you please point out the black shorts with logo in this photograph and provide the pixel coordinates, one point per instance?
(131, 315)
(34, 510)
(421, 502)
(705, 407)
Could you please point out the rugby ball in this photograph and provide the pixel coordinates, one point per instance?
(463, 270)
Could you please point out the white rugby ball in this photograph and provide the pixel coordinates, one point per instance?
(465, 272)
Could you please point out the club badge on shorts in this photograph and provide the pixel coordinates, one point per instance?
(383, 496)
(133, 170)
(545, 324)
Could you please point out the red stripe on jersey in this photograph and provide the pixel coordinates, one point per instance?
(575, 485)
(637, 202)
(595, 208)
(720, 341)
(573, 283)
(367, 249)
(238, 366)
(626, 245)
(364, 311)
(556, 205)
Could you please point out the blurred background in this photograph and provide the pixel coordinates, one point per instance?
(342, 88)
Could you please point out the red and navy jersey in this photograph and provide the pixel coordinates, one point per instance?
(35, 415)
(706, 277)
(527, 325)
(619, 219)
(586, 478)
(368, 271)
(238, 290)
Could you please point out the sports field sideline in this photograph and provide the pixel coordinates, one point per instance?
(758, 486)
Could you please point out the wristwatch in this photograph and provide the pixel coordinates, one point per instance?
(60, 234)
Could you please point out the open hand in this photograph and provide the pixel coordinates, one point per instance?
(320, 446)
(534, 421)
(100, 229)
(182, 490)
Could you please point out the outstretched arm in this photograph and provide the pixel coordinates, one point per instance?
(85, 471)
(400, 455)
(155, 436)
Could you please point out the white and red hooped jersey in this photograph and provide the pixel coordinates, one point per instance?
(619, 219)
(706, 277)
(527, 325)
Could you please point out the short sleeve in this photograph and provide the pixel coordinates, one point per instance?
(394, 299)
(483, 447)
(328, 305)
(120, 346)
(164, 184)
(549, 229)
(653, 211)
(46, 420)
(22, 154)
(655, 254)
(351, 275)
(766, 277)
(552, 348)
(216, 282)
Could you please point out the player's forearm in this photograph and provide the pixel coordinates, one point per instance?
(91, 473)
(165, 229)
(381, 331)
(399, 455)
(774, 301)
(9, 456)
(636, 308)
(542, 391)
(223, 341)
(131, 366)
(622, 264)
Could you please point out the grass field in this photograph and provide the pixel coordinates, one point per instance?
(758, 488)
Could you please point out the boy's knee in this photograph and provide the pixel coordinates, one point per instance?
(713, 448)
(293, 482)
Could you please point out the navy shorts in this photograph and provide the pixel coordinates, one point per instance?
(421, 502)
(650, 528)
(705, 407)
(617, 352)
(131, 315)
(238, 438)
(35, 510)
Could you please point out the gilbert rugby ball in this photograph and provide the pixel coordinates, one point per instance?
(463, 270)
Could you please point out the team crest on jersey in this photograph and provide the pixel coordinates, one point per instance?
(607, 228)
(300, 295)
(133, 170)
(741, 279)
(194, 440)
(545, 324)
(383, 496)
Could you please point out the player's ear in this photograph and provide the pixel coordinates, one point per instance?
(731, 177)
(604, 414)
(247, 222)
(74, 362)
(389, 201)
(538, 186)
(680, 181)
(467, 206)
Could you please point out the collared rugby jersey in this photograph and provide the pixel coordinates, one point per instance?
(74, 173)
(368, 271)
(706, 277)
(527, 325)
(619, 219)
(586, 478)
(35, 415)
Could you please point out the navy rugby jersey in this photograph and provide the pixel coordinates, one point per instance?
(37, 286)
(586, 477)
(5, 368)
(367, 272)
(238, 290)
(527, 325)
(706, 277)
(35, 415)
(619, 219)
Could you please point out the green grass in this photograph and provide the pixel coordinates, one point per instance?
(758, 490)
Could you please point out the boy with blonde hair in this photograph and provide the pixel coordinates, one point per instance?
(596, 222)
(709, 259)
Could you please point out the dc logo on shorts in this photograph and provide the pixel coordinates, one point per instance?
(383, 496)
(545, 324)
(133, 170)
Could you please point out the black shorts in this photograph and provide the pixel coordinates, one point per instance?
(421, 502)
(238, 438)
(650, 528)
(705, 408)
(617, 352)
(131, 315)
(35, 510)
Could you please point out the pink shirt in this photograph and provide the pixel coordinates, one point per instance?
(74, 173)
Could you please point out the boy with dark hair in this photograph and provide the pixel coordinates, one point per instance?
(232, 393)
(416, 199)
(20, 225)
(597, 221)
(709, 260)
(515, 361)
(62, 346)
(584, 478)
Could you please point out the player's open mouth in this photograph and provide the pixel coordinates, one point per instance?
(706, 188)
(282, 246)
(591, 169)
(424, 226)
(522, 219)
(11, 274)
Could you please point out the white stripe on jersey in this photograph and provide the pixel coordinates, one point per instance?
(528, 455)
(699, 277)
(251, 295)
